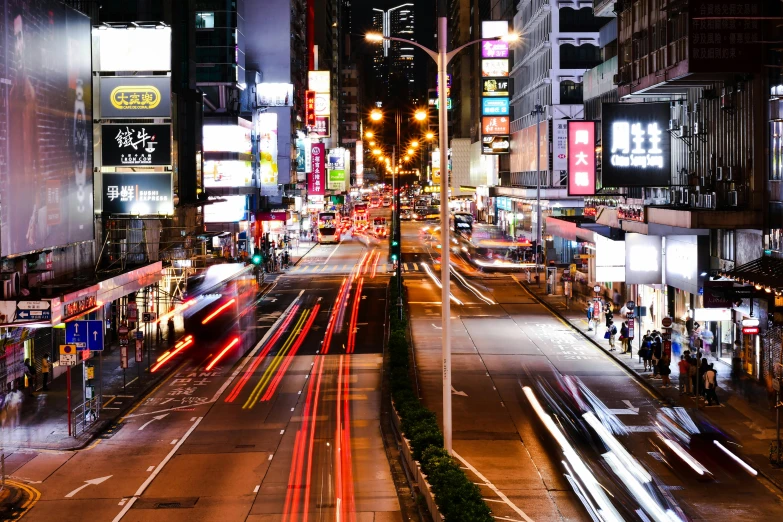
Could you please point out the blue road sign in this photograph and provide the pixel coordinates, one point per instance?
(85, 335)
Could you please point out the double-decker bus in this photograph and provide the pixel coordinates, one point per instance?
(360, 216)
(328, 227)
(217, 296)
(463, 222)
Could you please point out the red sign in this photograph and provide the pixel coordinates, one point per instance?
(495, 125)
(322, 126)
(310, 108)
(750, 330)
(581, 158)
(316, 181)
(271, 216)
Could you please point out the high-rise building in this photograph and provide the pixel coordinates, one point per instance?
(393, 62)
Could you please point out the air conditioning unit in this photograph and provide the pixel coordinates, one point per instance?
(7, 289)
(729, 173)
(674, 124)
(685, 130)
(11, 284)
(616, 79)
(697, 129)
(732, 198)
(692, 201)
(719, 174)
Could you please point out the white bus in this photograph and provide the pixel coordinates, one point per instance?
(328, 227)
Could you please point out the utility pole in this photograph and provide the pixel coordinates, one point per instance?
(539, 229)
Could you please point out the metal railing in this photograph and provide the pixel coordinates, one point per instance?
(84, 416)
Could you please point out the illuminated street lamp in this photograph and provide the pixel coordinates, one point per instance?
(376, 152)
(369, 134)
(415, 144)
(411, 152)
(442, 57)
(372, 144)
(430, 135)
(376, 115)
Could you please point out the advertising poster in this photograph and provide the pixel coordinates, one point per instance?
(643, 259)
(559, 145)
(636, 147)
(300, 155)
(495, 144)
(267, 148)
(581, 158)
(335, 168)
(274, 95)
(523, 152)
(228, 173)
(495, 125)
(46, 158)
(316, 182)
(137, 193)
(135, 97)
(494, 87)
(494, 106)
(135, 145)
(494, 68)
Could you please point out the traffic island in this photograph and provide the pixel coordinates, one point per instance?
(447, 491)
(16, 499)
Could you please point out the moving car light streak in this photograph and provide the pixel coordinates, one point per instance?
(375, 264)
(333, 318)
(642, 496)
(354, 316)
(620, 453)
(735, 458)
(176, 310)
(685, 456)
(289, 358)
(218, 311)
(472, 288)
(437, 282)
(261, 356)
(181, 345)
(344, 476)
(222, 353)
(276, 361)
(604, 509)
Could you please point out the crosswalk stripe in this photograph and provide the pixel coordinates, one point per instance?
(416, 267)
(334, 268)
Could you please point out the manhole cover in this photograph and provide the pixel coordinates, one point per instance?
(166, 503)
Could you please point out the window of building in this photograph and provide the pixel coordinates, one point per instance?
(722, 244)
(579, 20)
(570, 92)
(583, 57)
(776, 151)
(205, 20)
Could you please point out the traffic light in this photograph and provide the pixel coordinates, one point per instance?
(256, 259)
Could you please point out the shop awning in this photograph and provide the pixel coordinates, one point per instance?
(765, 271)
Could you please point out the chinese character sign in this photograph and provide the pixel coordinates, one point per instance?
(316, 182)
(494, 49)
(137, 193)
(636, 145)
(581, 158)
(495, 125)
(135, 145)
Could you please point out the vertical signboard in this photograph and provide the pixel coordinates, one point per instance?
(581, 158)
(267, 148)
(643, 259)
(495, 94)
(310, 108)
(316, 182)
(46, 165)
(359, 163)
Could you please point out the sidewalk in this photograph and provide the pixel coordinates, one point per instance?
(744, 414)
(43, 420)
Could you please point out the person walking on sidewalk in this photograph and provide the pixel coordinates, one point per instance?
(29, 371)
(645, 347)
(589, 318)
(46, 367)
(664, 368)
(624, 337)
(710, 384)
(657, 348)
(685, 377)
(611, 332)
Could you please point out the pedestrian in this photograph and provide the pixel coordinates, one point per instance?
(29, 372)
(710, 385)
(611, 332)
(703, 367)
(170, 335)
(736, 366)
(626, 342)
(685, 379)
(645, 346)
(46, 367)
(657, 348)
(664, 368)
(693, 372)
(589, 317)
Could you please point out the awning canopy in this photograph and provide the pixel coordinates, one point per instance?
(765, 271)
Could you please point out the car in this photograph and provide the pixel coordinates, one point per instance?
(406, 215)
(387, 202)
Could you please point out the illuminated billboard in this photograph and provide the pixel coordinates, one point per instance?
(494, 68)
(138, 194)
(318, 81)
(135, 97)
(227, 138)
(274, 95)
(316, 180)
(495, 125)
(266, 128)
(227, 173)
(495, 144)
(232, 210)
(135, 145)
(494, 49)
(495, 106)
(581, 158)
(46, 169)
(145, 49)
(636, 148)
(494, 87)
(323, 104)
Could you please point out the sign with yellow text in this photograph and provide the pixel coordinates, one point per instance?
(135, 97)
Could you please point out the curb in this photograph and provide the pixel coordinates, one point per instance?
(304, 255)
(655, 392)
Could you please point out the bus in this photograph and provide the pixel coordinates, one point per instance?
(463, 222)
(379, 227)
(360, 216)
(217, 296)
(375, 202)
(328, 227)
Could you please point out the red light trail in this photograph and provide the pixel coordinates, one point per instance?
(218, 311)
(221, 354)
(181, 345)
(354, 316)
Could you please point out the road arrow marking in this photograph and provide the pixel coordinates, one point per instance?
(630, 406)
(93, 482)
(159, 417)
(455, 392)
(436, 326)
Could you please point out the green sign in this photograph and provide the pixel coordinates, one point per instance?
(336, 180)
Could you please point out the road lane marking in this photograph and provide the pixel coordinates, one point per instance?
(255, 489)
(122, 502)
(174, 441)
(155, 473)
(333, 251)
(150, 468)
(270, 456)
(155, 389)
(494, 489)
(87, 483)
(159, 417)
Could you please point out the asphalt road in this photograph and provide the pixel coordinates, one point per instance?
(277, 418)
(500, 348)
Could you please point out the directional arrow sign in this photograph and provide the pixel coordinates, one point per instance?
(93, 482)
(159, 417)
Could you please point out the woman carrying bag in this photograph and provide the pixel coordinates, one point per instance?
(611, 332)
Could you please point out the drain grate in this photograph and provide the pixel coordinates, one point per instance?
(244, 446)
(166, 503)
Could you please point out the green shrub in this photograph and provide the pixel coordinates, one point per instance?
(458, 499)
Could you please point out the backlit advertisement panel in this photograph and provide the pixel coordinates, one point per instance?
(523, 149)
(495, 125)
(46, 168)
(318, 81)
(494, 49)
(145, 49)
(494, 106)
(495, 144)
(232, 210)
(135, 145)
(316, 180)
(494, 87)
(494, 68)
(227, 173)
(643, 259)
(609, 260)
(227, 138)
(310, 108)
(581, 158)
(274, 95)
(359, 163)
(135, 97)
(267, 148)
(138, 194)
(636, 145)
(335, 168)
(323, 104)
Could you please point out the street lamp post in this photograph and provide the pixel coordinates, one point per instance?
(442, 57)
